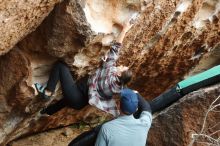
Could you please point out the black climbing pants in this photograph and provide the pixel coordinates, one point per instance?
(75, 94)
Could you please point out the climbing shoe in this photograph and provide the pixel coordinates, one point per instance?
(41, 91)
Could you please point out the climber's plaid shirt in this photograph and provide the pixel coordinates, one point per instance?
(104, 83)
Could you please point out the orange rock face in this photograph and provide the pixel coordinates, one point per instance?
(169, 40)
(18, 18)
(172, 44)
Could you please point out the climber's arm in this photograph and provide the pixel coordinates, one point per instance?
(126, 26)
(115, 46)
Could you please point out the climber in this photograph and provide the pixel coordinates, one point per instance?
(96, 89)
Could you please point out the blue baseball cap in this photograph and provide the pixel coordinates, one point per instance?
(129, 101)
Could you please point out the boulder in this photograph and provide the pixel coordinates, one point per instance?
(178, 124)
(20, 17)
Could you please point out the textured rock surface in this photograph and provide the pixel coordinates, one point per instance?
(57, 137)
(172, 43)
(75, 34)
(64, 33)
(175, 125)
(168, 40)
(20, 17)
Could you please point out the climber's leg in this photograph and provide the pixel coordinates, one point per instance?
(60, 72)
(75, 95)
